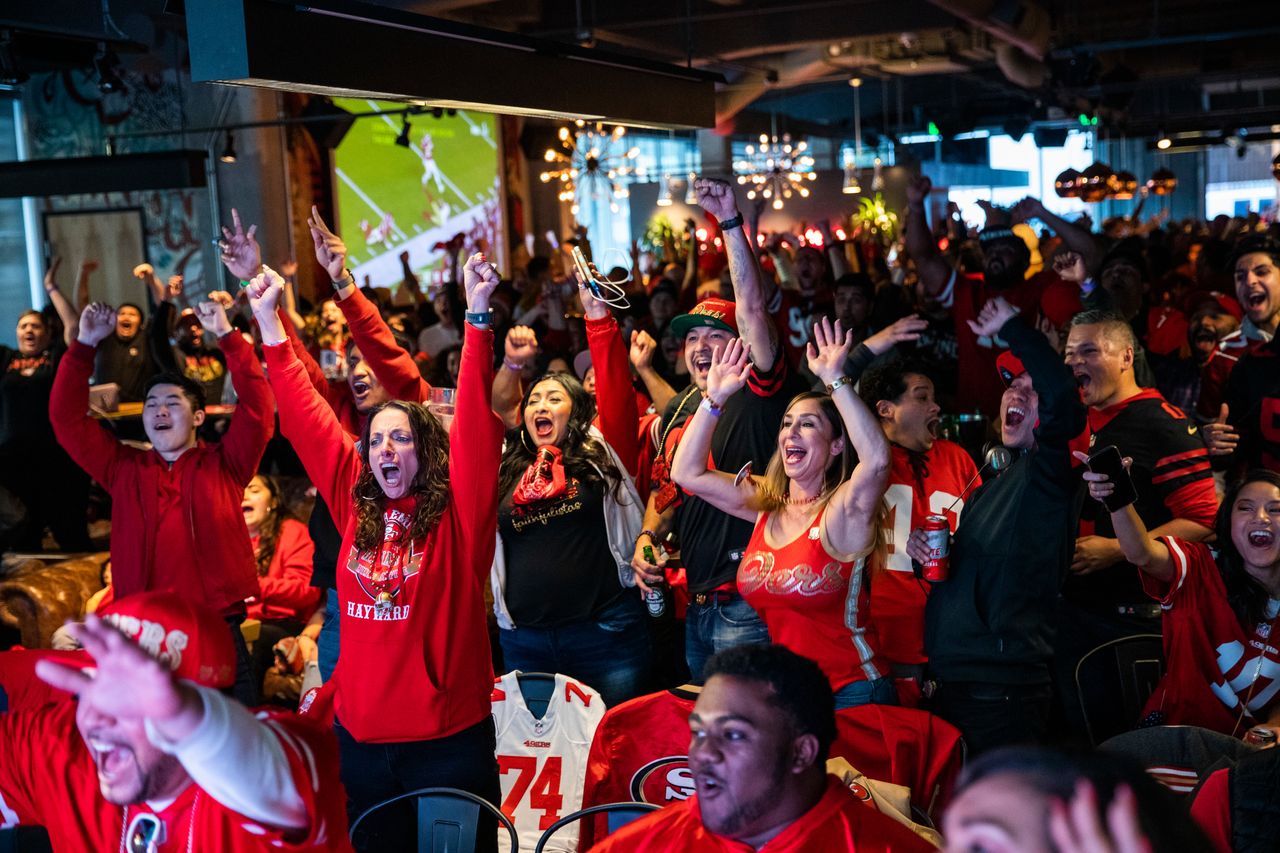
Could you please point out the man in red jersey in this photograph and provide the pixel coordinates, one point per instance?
(761, 731)
(152, 757)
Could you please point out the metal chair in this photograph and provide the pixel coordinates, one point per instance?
(1114, 681)
(447, 819)
(620, 814)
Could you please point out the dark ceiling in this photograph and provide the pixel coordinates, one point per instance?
(1140, 65)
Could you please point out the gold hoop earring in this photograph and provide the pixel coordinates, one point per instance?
(524, 440)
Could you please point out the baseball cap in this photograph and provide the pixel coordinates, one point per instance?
(190, 640)
(1009, 366)
(1060, 301)
(582, 363)
(715, 312)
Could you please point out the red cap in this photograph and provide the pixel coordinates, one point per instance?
(1166, 330)
(1059, 302)
(193, 642)
(1009, 366)
(715, 312)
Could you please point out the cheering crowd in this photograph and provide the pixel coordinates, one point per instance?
(804, 475)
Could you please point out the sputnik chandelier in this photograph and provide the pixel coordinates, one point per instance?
(594, 163)
(776, 169)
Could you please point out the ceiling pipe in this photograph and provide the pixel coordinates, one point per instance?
(1027, 28)
(794, 69)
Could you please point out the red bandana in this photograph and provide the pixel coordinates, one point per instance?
(543, 479)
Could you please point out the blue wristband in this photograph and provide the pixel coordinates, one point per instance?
(481, 318)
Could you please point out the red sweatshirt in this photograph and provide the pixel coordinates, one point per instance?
(421, 669)
(615, 398)
(222, 573)
(286, 590)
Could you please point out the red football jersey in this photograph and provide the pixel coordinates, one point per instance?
(1219, 675)
(965, 295)
(897, 595)
(839, 822)
(21, 689)
(48, 777)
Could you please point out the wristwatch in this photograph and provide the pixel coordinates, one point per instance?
(730, 224)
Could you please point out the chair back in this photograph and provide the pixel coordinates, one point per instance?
(1114, 681)
(620, 814)
(448, 819)
(1179, 757)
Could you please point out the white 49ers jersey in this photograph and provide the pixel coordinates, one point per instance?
(542, 763)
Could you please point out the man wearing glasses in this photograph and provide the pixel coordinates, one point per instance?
(151, 757)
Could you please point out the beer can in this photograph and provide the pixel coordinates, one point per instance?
(1260, 736)
(937, 532)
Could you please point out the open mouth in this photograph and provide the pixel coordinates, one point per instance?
(932, 425)
(1261, 538)
(1084, 380)
(1014, 417)
(111, 758)
(1255, 300)
(794, 454)
(543, 427)
(1204, 336)
(707, 786)
(390, 474)
(360, 388)
(162, 426)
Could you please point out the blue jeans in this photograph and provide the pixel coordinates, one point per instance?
(328, 642)
(878, 691)
(716, 626)
(609, 655)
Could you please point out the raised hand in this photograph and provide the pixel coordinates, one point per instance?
(213, 317)
(918, 190)
(1070, 267)
(51, 274)
(175, 288)
(480, 279)
(88, 266)
(1028, 208)
(716, 197)
(521, 346)
(829, 350)
(289, 268)
(643, 346)
(1100, 485)
(592, 307)
(331, 252)
(1220, 437)
(241, 254)
(992, 317)
(729, 370)
(223, 298)
(128, 682)
(1076, 826)
(97, 321)
(143, 271)
(264, 292)
(901, 331)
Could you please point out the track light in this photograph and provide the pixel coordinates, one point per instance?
(403, 139)
(104, 65)
(228, 154)
(1163, 142)
(664, 195)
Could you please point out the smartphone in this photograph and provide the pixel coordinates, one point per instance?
(1108, 461)
(584, 270)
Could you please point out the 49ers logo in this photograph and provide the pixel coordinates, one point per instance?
(383, 573)
(662, 781)
(758, 571)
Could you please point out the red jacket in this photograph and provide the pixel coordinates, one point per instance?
(286, 590)
(615, 398)
(212, 487)
(425, 671)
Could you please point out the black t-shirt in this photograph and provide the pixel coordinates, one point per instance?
(1253, 398)
(559, 566)
(126, 363)
(328, 542)
(25, 385)
(712, 542)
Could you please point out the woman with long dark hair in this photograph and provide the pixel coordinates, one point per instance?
(568, 515)
(816, 515)
(411, 688)
(1219, 613)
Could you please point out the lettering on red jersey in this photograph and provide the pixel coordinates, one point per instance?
(898, 520)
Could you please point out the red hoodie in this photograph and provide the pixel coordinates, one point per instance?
(287, 592)
(213, 477)
(422, 669)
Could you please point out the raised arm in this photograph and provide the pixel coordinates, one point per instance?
(473, 475)
(158, 331)
(395, 368)
(754, 324)
(1140, 548)
(93, 448)
(289, 271)
(146, 273)
(1062, 415)
(520, 348)
(254, 420)
(933, 270)
(643, 346)
(689, 469)
(615, 398)
(1077, 239)
(306, 419)
(855, 502)
(66, 313)
(87, 268)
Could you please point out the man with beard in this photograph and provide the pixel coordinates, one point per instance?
(762, 728)
(1005, 262)
(712, 542)
(1010, 554)
(153, 757)
(1180, 369)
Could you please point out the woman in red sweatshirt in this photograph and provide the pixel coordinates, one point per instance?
(412, 685)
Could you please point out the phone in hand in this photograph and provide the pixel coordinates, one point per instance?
(1109, 462)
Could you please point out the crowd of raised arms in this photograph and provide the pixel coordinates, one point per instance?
(971, 542)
